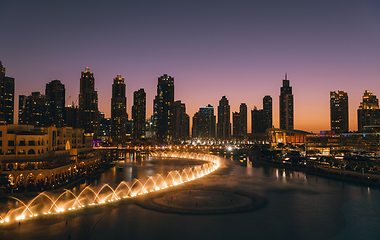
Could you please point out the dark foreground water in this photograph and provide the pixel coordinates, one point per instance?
(298, 207)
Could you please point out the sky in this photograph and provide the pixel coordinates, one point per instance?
(238, 49)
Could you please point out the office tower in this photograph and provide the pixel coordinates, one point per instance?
(258, 120)
(118, 111)
(368, 112)
(7, 91)
(72, 115)
(204, 123)
(286, 105)
(339, 112)
(21, 104)
(164, 106)
(181, 121)
(236, 124)
(243, 119)
(105, 127)
(36, 110)
(88, 104)
(55, 92)
(224, 124)
(267, 107)
(139, 114)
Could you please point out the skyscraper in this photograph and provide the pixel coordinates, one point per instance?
(368, 112)
(224, 124)
(164, 101)
(181, 121)
(88, 104)
(55, 92)
(286, 105)
(258, 120)
(21, 104)
(236, 124)
(204, 122)
(139, 114)
(118, 111)
(243, 119)
(262, 118)
(36, 110)
(7, 91)
(339, 112)
(267, 107)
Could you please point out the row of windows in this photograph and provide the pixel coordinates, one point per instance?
(22, 151)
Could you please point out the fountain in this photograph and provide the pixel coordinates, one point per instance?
(44, 203)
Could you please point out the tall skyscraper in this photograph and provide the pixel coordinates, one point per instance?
(88, 104)
(224, 124)
(339, 111)
(261, 119)
(267, 107)
(286, 105)
(181, 121)
(55, 92)
(72, 116)
(139, 114)
(118, 111)
(21, 104)
(258, 120)
(36, 110)
(204, 122)
(236, 124)
(7, 91)
(164, 106)
(368, 112)
(243, 119)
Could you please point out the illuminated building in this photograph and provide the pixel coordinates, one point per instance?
(72, 116)
(286, 106)
(21, 103)
(55, 92)
(88, 104)
(267, 107)
(36, 110)
(236, 124)
(339, 111)
(258, 120)
(204, 123)
(139, 114)
(118, 111)
(261, 119)
(44, 156)
(224, 124)
(105, 128)
(164, 108)
(181, 121)
(7, 91)
(368, 112)
(242, 120)
(286, 137)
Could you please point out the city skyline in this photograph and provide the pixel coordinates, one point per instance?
(241, 51)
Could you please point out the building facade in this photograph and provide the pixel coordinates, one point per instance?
(118, 111)
(224, 123)
(163, 103)
(267, 107)
(139, 114)
(88, 104)
(181, 121)
(368, 112)
(7, 92)
(286, 106)
(35, 110)
(204, 122)
(339, 112)
(55, 92)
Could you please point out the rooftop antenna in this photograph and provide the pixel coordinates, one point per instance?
(286, 76)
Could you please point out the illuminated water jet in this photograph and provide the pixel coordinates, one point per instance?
(44, 203)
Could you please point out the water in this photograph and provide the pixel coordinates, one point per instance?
(298, 206)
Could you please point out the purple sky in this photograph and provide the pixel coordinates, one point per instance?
(240, 49)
